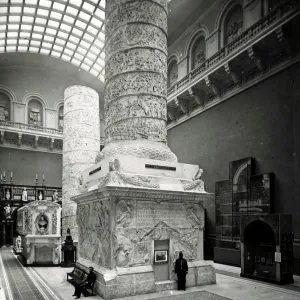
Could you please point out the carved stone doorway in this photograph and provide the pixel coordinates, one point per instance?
(161, 260)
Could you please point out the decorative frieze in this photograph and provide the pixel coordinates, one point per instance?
(137, 12)
(81, 144)
(133, 35)
(135, 107)
(136, 80)
(136, 60)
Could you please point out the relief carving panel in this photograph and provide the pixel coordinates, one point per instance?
(136, 59)
(136, 35)
(94, 234)
(180, 222)
(137, 11)
(137, 129)
(136, 83)
(136, 106)
(111, 5)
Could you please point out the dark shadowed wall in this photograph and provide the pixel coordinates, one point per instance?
(26, 164)
(262, 122)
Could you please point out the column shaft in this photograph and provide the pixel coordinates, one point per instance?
(81, 143)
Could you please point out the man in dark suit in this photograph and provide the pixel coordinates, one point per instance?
(82, 284)
(181, 269)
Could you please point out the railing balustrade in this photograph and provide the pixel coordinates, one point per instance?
(268, 20)
(23, 126)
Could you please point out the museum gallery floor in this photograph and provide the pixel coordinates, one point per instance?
(18, 282)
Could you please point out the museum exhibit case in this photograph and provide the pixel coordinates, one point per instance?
(267, 248)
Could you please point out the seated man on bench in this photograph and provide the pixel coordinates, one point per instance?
(81, 285)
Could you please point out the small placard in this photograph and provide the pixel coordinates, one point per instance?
(95, 171)
(277, 256)
(160, 167)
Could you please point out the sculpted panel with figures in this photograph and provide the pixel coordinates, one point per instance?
(178, 222)
(133, 35)
(138, 60)
(138, 11)
(94, 233)
(136, 106)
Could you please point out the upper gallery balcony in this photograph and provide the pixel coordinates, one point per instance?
(263, 49)
(31, 137)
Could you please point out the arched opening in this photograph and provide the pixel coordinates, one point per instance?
(5, 107)
(198, 52)
(259, 250)
(233, 24)
(35, 112)
(172, 73)
(61, 117)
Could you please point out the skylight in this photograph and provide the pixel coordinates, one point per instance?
(71, 30)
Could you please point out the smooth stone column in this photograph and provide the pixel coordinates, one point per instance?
(136, 80)
(81, 143)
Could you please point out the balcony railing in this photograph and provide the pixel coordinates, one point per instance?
(27, 127)
(251, 33)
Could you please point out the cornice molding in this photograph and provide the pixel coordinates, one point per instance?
(260, 77)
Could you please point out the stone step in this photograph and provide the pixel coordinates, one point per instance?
(165, 285)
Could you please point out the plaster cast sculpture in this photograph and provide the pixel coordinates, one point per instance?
(7, 211)
(81, 139)
(137, 194)
(24, 195)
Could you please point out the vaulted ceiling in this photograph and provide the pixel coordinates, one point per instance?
(74, 30)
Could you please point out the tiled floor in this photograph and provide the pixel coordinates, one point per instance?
(227, 286)
(52, 281)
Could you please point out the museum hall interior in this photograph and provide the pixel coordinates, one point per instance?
(149, 149)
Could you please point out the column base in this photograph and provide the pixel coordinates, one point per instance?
(132, 281)
(138, 149)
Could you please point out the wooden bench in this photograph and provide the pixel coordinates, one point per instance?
(79, 274)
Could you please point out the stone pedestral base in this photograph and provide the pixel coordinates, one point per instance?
(125, 282)
(129, 209)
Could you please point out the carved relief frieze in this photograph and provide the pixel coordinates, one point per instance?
(137, 11)
(94, 233)
(54, 223)
(114, 4)
(137, 129)
(195, 185)
(125, 211)
(28, 221)
(136, 83)
(135, 106)
(136, 59)
(134, 35)
(129, 250)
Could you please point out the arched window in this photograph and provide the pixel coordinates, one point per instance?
(233, 25)
(61, 117)
(172, 72)
(198, 52)
(4, 107)
(35, 112)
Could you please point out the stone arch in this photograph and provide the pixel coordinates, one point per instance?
(37, 98)
(225, 12)
(11, 97)
(201, 33)
(172, 69)
(60, 113)
(259, 229)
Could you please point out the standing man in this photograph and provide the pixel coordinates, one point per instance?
(181, 269)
